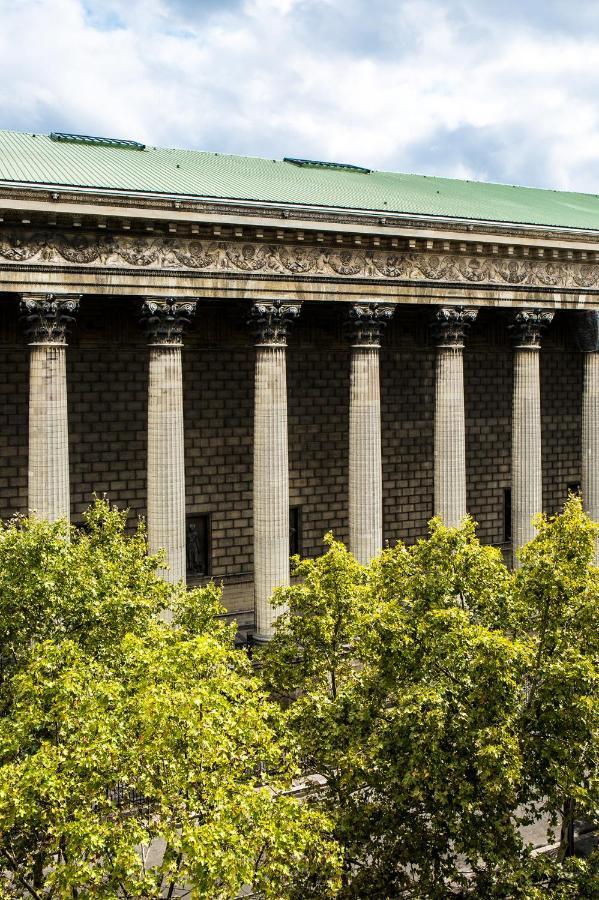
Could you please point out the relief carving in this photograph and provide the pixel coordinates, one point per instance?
(79, 248)
(435, 268)
(185, 254)
(298, 260)
(196, 255)
(392, 265)
(346, 262)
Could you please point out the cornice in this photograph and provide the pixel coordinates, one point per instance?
(61, 200)
(421, 265)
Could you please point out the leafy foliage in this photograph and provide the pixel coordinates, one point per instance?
(446, 701)
(136, 755)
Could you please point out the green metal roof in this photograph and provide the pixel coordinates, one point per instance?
(38, 159)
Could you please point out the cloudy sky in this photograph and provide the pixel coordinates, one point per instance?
(500, 90)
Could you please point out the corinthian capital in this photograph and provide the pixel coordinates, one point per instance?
(451, 323)
(165, 318)
(527, 327)
(366, 322)
(270, 321)
(47, 317)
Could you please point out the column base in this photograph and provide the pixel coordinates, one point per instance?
(259, 640)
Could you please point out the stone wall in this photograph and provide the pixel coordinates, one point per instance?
(107, 366)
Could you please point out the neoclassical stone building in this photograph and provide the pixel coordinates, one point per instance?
(253, 352)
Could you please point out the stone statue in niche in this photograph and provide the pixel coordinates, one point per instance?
(197, 563)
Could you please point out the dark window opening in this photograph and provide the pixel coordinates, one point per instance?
(507, 515)
(198, 546)
(295, 531)
(573, 487)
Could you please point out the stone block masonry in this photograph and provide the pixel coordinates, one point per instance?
(107, 381)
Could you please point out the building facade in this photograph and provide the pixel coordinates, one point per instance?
(249, 371)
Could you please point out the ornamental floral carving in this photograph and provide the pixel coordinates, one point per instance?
(473, 269)
(298, 260)
(79, 248)
(223, 257)
(270, 321)
(528, 325)
(392, 265)
(450, 324)
(346, 262)
(195, 255)
(135, 251)
(586, 277)
(248, 257)
(17, 248)
(434, 268)
(47, 317)
(165, 318)
(366, 323)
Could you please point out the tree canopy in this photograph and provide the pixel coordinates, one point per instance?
(447, 702)
(136, 755)
(435, 701)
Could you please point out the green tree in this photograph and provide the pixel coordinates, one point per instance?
(556, 602)
(409, 678)
(136, 755)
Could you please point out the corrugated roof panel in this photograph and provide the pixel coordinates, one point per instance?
(36, 159)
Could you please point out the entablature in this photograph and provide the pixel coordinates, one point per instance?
(134, 249)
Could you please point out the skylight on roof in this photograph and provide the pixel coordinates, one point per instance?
(65, 138)
(320, 164)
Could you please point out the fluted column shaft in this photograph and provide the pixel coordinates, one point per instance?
(164, 320)
(48, 470)
(166, 459)
(366, 323)
(450, 437)
(527, 474)
(586, 324)
(365, 468)
(450, 325)
(527, 478)
(271, 484)
(590, 437)
(46, 319)
(271, 463)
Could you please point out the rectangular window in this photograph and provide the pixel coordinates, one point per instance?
(295, 530)
(507, 515)
(198, 546)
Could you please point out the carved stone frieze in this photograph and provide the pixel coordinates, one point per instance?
(270, 321)
(450, 324)
(47, 317)
(528, 325)
(366, 323)
(165, 318)
(194, 255)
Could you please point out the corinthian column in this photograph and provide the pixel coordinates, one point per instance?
(527, 476)
(271, 468)
(588, 341)
(449, 328)
(164, 320)
(47, 318)
(365, 469)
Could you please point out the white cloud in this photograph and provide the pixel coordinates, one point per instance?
(439, 87)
